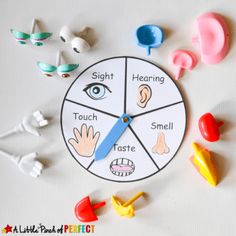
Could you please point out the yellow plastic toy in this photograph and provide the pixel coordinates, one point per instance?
(125, 209)
(202, 160)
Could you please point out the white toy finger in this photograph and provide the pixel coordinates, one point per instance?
(40, 118)
(39, 165)
(36, 170)
(34, 174)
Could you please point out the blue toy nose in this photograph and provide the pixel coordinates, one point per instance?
(149, 36)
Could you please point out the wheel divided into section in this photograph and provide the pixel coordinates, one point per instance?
(100, 95)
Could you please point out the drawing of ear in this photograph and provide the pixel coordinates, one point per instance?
(144, 95)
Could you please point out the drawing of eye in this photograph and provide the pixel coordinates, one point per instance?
(96, 91)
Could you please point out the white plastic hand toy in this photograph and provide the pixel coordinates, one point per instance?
(29, 124)
(26, 163)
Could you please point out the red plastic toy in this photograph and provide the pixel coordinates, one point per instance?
(84, 210)
(209, 127)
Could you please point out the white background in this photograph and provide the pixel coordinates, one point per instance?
(178, 202)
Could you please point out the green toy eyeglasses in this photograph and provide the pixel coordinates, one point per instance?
(37, 39)
(62, 70)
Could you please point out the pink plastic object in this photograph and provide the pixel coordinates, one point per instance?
(183, 59)
(212, 37)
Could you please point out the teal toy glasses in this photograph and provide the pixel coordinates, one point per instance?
(37, 39)
(63, 70)
(20, 37)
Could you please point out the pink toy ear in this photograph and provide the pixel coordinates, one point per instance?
(183, 59)
(213, 37)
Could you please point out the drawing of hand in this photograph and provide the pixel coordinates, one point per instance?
(85, 140)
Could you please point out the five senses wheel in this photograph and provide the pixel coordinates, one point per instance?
(96, 101)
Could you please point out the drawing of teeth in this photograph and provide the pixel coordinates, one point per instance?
(122, 167)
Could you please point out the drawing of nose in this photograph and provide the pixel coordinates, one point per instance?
(144, 95)
(160, 147)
